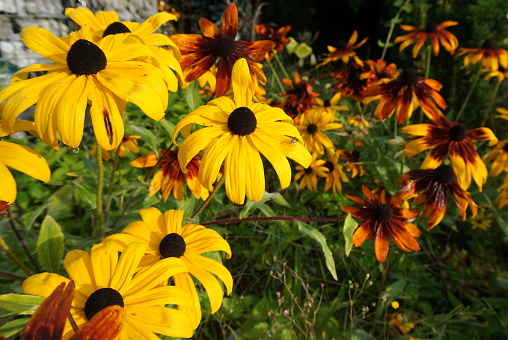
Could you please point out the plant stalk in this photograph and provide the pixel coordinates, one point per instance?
(491, 103)
(463, 107)
(100, 181)
(205, 203)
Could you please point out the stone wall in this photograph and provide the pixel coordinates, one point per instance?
(49, 14)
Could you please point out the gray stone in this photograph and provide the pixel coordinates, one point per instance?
(6, 28)
(8, 6)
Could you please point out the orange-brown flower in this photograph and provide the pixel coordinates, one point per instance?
(435, 32)
(383, 218)
(502, 199)
(454, 139)
(344, 50)
(378, 72)
(350, 82)
(170, 176)
(279, 37)
(404, 92)
(500, 157)
(490, 56)
(300, 97)
(351, 158)
(200, 52)
(500, 73)
(435, 183)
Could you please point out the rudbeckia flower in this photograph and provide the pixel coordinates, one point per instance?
(168, 239)
(379, 72)
(435, 32)
(335, 175)
(49, 319)
(22, 159)
(103, 279)
(299, 95)
(383, 219)
(404, 92)
(349, 81)
(500, 157)
(129, 142)
(500, 73)
(236, 132)
(344, 51)
(170, 176)
(358, 120)
(454, 139)
(503, 113)
(430, 186)
(84, 73)
(490, 56)
(309, 175)
(279, 37)
(311, 128)
(351, 158)
(502, 199)
(199, 52)
(107, 23)
(329, 105)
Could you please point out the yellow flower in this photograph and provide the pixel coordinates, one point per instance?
(500, 157)
(502, 199)
(103, 279)
(303, 50)
(167, 238)
(358, 121)
(22, 159)
(236, 132)
(311, 128)
(503, 113)
(329, 105)
(309, 174)
(107, 23)
(395, 304)
(335, 174)
(129, 142)
(83, 73)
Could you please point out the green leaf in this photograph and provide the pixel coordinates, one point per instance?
(50, 245)
(148, 137)
(192, 96)
(30, 219)
(394, 290)
(187, 206)
(86, 194)
(60, 200)
(168, 126)
(13, 327)
(349, 229)
(21, 304)
(251, 206)
(321, 240)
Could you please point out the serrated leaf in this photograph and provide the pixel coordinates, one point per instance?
(148, 137)
(321, 240)
(251, 206)
(21, 304)
(50, 245)
(349, 229)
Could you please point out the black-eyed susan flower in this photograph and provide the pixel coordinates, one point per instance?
(405, 93)
(500, 73)
(400, 324)
(379, 72)
(502, 199)
(357, 121)
(436, 33)
(350, 83)
(503, 113)
(309, 175)
(49, 319)
(335, 175)
(351, 158)
(103, 279)
(84, 73)
(107, 23)
(344, 50)
(170, 176)
(484, 219)
(329, 106)
(490, 56)
(499, 158)
(167, 238)
(200, 52)
(129, 143)
(431, 186)
(300, 95)
(22, 159)
(278, 36)
(383, 218)
(311, 129)
(236, 132)
(454, 139)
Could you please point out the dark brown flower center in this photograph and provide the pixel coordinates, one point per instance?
(85, 58)
(224, 46)
(101, 299)
(458, 133)
(505, 147)
(488, 44)
(431, 27)
(308, 170)
(115, 28)
(409, 77)
(444, 174)
(242, 121)
(382, 75)
(326, 103)
(341, 44)
(356, 154)
(172, 245)
(311, 128)
(382, 213)
(329, 165)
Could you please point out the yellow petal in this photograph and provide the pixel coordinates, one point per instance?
(185, 282)
(42, 284)
(45, 44)
(78, 265)
(83, 17)
(126, 266)
(215, 155)
(8, 189)
(105, 18)
(243, 87)
(153, 217)
(104, 257)
(153, 23)
(234, 169)
(255, 174)
(161, 320)
(173, 222)
(25, 160)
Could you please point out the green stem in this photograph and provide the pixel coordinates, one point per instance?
(13, 256)
(469, 94)
(205, 203)
(100, 180)
(22, 242)
(276, 76)
(392, 26)
(280, 64)
(428, 56)
(111, 182)
(491, 103)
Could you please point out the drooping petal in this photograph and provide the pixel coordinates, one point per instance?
(45, 44)
(25, 160)
(42, 284)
